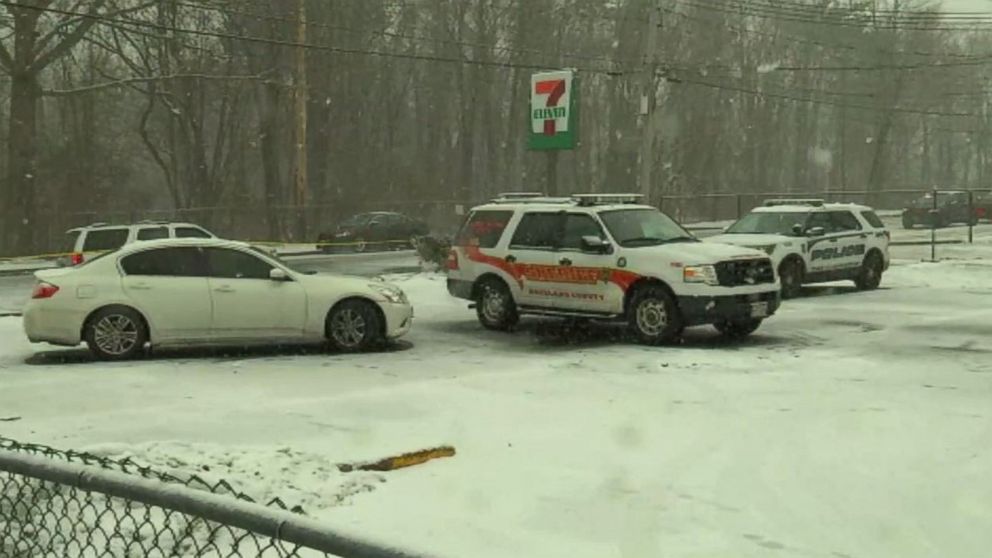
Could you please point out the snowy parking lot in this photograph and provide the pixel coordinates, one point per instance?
(851, 425)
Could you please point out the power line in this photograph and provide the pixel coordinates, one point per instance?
(104, 20)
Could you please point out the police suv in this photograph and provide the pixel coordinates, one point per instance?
(605, 257)
(810, 241)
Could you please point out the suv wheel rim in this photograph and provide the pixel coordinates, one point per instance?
(652, 317)
(492, 305)
(348, 328)
(115, 334)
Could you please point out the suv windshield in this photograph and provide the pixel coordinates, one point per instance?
(632, 228)
(769, 223)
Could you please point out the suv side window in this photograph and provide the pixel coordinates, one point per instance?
(234, 264)
(822, 220)
(537, 231)
(484, 228)
(191, 232)
(170, 262)
(873, 219)
(578, 225)
(153, 233)
(844, 221)
(104, 239)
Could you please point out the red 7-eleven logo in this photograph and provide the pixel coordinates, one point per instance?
(555, 90)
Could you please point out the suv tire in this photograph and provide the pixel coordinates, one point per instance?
(738, 329)
(115, 333)
(790, 273)
(494, 305)
(653, 316)
(870, 274)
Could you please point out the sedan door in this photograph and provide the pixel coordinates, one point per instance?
(169, 286)
(247, 303)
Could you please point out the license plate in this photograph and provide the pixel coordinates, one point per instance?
(759, 309)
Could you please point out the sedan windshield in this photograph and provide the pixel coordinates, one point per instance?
(769, 223)
(632, 228)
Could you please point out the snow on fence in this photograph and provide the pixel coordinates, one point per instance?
(57, 504)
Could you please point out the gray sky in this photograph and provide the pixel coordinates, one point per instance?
(968, 5)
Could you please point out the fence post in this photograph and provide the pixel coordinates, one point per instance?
(971, 217)
(933, 228)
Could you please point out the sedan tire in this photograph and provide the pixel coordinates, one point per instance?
(354, 326)
(115, 333)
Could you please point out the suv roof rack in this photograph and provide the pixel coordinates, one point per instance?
(597, 199)
(796, 201)
(153, 222)
(519, 195)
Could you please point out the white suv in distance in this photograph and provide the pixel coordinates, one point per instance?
(810, 241)
(85, 242)
(181, 292)
(605, 257)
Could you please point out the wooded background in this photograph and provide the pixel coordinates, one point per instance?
(116, 106)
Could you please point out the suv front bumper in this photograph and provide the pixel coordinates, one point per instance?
(701, 310)
(460, 288)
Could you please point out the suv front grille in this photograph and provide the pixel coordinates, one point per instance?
(745, 272)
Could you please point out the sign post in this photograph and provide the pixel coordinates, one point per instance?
(553, 118)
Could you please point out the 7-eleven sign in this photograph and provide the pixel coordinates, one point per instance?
(553, 114)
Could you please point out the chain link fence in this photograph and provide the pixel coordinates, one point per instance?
(57, 504)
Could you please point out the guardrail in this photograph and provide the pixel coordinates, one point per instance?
(54, 507)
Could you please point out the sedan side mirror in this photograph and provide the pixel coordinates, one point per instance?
(816, 231)
(277, 274)
(798, 229)
(595, 245)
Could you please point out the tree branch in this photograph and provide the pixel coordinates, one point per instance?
(69, 41)
(147, 79)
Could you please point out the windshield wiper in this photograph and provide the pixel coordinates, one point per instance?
(646, 240)
(682, 239)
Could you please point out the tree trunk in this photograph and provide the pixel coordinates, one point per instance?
(22, 155)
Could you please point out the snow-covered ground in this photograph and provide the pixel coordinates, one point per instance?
(851, 425)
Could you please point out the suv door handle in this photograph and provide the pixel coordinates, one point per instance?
(510, 258)
(224, 289)
(565, 261)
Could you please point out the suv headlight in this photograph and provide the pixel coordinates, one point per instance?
(390, 293)
(700, 274)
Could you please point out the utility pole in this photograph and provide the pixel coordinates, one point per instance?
(649, 100)
(300, 178)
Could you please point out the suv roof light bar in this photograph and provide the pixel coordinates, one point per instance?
(519, 195)
(797, 201)
(597, 199)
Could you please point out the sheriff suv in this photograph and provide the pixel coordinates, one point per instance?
(810, 241)
(605, 257)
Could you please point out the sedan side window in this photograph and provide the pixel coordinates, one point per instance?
(235, 264)
(165, 262)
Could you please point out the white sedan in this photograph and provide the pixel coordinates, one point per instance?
(183, 292)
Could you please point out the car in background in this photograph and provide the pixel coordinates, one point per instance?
(379, 230)
(83, 243)
(953, 207)
(810, 241)
(192, 291)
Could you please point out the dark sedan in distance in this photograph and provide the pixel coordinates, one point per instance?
(378, 230)
(952, 208)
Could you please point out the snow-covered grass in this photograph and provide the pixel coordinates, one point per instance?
(852, 424)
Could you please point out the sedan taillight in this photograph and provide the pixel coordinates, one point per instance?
(44, 290)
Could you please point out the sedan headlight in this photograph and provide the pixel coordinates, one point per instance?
(390, 293)
(700, 274)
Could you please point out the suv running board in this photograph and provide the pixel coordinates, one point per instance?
(539, 311)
